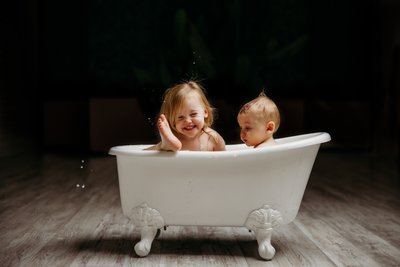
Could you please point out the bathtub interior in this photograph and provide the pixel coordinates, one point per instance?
(188, 190)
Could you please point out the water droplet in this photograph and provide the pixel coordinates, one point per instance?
(83, 186)
(77, 185)
(194, 62)
(83, 161)
(150, 121)
(81, 167)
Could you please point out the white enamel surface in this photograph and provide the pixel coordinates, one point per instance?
(217, 188)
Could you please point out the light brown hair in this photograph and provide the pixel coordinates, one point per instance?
(174, 97)
(265, 107)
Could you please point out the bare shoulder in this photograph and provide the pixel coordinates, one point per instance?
(219, 142)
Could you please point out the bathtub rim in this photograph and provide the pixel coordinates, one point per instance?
(283, 144)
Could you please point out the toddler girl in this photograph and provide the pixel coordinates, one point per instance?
(185, 120)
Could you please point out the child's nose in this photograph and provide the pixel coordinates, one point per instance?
(187, 120)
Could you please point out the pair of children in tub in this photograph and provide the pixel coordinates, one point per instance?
(186, 117)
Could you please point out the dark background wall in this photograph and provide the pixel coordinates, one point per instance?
(84, 75)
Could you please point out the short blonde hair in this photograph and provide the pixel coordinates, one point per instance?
(173, 99)
(265, 107)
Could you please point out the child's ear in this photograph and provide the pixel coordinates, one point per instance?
(270, 127)
(205, 113)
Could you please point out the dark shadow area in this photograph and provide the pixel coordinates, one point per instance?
(105, 245)
(86, 76)
(167, 246)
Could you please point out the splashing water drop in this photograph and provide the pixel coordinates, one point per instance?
(150, 121)
(194, 62)
(83, 174)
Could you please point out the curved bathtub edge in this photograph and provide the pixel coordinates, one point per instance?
(284, 143)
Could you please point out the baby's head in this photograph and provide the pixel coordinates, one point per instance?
(175, 96)
(258, 119)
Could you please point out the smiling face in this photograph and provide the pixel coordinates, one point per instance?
(189, 119)
(179, 101)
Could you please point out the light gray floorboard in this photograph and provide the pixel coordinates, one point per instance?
(350, 216)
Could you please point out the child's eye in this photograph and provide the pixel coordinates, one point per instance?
(181, 118)
(194, 114)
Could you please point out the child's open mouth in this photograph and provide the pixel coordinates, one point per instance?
(189, 128)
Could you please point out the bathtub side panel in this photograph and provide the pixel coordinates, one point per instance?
(219, 192)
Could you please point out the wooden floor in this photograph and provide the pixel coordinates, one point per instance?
(65, 211)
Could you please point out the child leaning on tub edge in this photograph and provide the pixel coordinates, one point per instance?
(185, 120)
(259, 119)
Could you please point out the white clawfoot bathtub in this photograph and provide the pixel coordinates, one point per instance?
(257, 188)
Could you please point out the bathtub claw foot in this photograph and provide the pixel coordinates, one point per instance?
(265, 249)
(149, 221)
(262, 222)
(143, 247)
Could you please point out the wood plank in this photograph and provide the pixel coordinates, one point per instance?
(55, 220)
(333, 244)
(349, 217)
(200, 246)
(357, 224)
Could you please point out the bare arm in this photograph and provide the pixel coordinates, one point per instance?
(219, 142)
